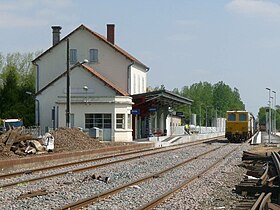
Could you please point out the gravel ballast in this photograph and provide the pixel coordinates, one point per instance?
(207, 193)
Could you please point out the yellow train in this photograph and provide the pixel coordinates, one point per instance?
(240, 126)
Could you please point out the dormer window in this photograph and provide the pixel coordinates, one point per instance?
(93, 55)
(73, 56)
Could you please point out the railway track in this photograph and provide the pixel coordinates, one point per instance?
(22, 189)
(109, 159)
(156, 176)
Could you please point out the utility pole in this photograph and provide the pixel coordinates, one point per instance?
(275, 113)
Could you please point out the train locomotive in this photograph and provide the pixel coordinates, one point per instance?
(240, 126)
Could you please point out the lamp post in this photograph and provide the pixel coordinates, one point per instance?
(272, 115)
(274, 111)
(38, 107)
(200, 118)
(269, 115)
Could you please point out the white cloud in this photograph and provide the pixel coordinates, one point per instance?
(31, 13)
(255, 8)
(12, 20)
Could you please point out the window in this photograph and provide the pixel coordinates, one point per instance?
(93, 55)
(73, 56)
(129, 121)
(107, 121)
(139, 84)
(98, 120)
(120, 121)
(231, 117)
(143, 85)
(134, 83)
(242, 117)
(72, 120)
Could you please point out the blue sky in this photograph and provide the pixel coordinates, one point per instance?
(182, 41)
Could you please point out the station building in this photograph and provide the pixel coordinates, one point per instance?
(108, 92)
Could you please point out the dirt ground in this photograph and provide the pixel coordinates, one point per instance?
(66, 139)
(263, 149)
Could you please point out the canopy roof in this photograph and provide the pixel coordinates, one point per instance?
(159, 98)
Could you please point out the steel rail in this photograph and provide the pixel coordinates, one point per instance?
(276, 160)
(154, 203)
(72, 163)
(88, 167)
(263, 179)
(19, 173)
(265, 200)
(258, 202)
(91, 200)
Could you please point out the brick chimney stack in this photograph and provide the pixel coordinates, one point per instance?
(56, 34)
(111, 33)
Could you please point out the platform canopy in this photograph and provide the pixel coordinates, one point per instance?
(158, 99)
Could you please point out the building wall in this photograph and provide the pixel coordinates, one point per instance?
(138, 80)
(51, 66)
(111, 63)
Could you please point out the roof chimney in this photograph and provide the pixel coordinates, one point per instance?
(56, 34)
(111, 33)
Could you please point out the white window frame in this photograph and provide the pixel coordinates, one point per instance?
(100, 120)
(72, 120)
(134, 83)
(73, 56)
(93, 55)
(139, 84)
(120, 121)
(129, 120)
(143, 85)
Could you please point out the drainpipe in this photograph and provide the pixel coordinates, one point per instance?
(37, 88)
(37, 76)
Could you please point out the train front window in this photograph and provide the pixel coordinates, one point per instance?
(242, 117)
(231, 117)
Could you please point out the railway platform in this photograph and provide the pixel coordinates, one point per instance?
(162, 141)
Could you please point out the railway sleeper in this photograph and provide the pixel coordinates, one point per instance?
(252, 190)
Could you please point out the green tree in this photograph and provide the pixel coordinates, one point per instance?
(17, 76)
(263, 111)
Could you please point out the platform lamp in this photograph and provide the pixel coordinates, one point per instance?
(272, 114)
(38, 107)
(86, 89)
(269, 115)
